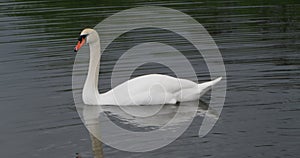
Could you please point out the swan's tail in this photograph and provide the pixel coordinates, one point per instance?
(204, 87)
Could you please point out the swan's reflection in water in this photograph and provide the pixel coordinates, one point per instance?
(148, 117)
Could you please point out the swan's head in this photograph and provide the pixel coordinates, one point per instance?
(88, 36)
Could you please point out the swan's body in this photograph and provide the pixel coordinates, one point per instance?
(143, 90)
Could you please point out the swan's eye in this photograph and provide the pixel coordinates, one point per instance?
(81, 37)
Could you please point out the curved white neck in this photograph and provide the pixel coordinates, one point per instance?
(90, 89)
(93, 72)
(90, 93)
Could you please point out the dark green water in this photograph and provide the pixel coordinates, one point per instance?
(259, 42)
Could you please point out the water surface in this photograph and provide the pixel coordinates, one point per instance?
(259, 41)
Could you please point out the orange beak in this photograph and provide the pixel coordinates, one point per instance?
(79, 45)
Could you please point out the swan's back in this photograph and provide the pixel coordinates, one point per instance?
(168, 83)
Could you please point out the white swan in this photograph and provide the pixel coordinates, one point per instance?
(143, 90)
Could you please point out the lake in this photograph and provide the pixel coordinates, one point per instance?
(258, 40)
